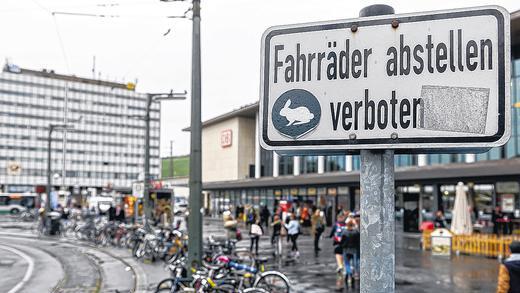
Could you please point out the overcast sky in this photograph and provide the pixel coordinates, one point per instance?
(136, 45)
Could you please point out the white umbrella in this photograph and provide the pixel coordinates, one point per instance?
(461, 217)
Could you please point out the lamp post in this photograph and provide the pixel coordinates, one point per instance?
(146, 180)
(52, 127)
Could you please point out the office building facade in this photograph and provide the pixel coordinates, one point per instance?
(104, 150)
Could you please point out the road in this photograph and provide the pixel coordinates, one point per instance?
(67, 265)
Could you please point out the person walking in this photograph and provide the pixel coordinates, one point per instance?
(265, 214)
(230, 225)
(275, 236)
(255, 232)
(293, 229)
(317, 228)
(350, 242)
(336, 232)
(509, 271)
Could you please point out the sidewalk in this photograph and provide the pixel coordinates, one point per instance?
(416, 270)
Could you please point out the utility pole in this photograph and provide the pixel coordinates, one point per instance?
(146, 180)
(195, 183)
(172, 173)
(52, 127)
(377, 204)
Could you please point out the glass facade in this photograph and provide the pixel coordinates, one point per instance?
(334, 163)
(106, 146)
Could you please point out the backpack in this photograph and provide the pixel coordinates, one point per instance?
(338, 232)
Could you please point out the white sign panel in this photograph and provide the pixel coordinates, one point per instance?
(137, 189)
(413, 82)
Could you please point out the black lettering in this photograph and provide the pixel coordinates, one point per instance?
(393, 102)
(347, 114)
(357, 106)
(452, 57)
(335, 115)
(300, 58)
(289, 70)
(366, 53)
(471, 52)
(404, 69)
(441, 56)
(356, 61)
(429, 47)
(392, 62)
(277, 63)
(459, 49)
(370, 109)
(321, 56)
(416, 50)
(344, 61)
(332, 67)
(486, 43)
(382, 116)
(309, 67)
(404, 113)
(416, 103)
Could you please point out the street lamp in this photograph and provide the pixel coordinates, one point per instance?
(52, 127)
(152, 97)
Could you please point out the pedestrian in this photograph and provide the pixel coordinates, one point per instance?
(264, 216)
(509, 271)
(293, 230)
(277, 227)
(317, 228)
(230, 225)
(255, 232)
(336, 233)
(350, 242)
(497, 218)
(440, 221)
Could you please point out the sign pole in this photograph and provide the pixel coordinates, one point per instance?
(377, 208)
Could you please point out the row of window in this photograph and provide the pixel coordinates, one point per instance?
(79, 162)
(76, 174)
(79, 152)
(103, 133)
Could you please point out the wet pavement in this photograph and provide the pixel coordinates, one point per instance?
(416, 270)
(72, 265)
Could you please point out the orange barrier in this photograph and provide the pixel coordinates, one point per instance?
(489, 245)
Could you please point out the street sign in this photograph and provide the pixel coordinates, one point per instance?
(138, 189)
(414, 83)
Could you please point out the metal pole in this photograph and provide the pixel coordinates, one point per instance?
(195, 183)
(171, 159)
(146, 179)
(49, 187)
(377, 208)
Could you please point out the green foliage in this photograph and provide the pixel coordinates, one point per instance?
(180, 167)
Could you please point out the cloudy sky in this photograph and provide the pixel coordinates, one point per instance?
(137, 40)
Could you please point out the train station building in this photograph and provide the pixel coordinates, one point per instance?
(237, 171)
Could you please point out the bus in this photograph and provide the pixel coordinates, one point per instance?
(14, 203)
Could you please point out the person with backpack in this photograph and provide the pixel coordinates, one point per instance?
(336, 233)
(317, 228)
(255, 232)
(509, 271)
(350, 243)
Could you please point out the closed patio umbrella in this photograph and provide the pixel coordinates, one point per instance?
(461, 216)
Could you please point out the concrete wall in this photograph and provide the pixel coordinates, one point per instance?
(232, 162)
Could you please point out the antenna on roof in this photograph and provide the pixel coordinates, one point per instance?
(94, 67)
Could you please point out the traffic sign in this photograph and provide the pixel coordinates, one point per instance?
(138, 189)
(415, 83)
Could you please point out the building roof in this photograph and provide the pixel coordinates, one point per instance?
(484, 171)
(11, 68)
(248, 111)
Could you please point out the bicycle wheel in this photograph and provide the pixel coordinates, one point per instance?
(274, 282)
(255, 290)
(172, 285)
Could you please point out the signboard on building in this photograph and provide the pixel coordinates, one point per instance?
(138, 189)
(14, 168)
(226, 138)
(416, 82)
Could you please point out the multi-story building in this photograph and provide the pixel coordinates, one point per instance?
(105, 148)
(237, 171)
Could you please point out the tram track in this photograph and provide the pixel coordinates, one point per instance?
(97, 258)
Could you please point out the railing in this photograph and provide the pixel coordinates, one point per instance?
(489, 245)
